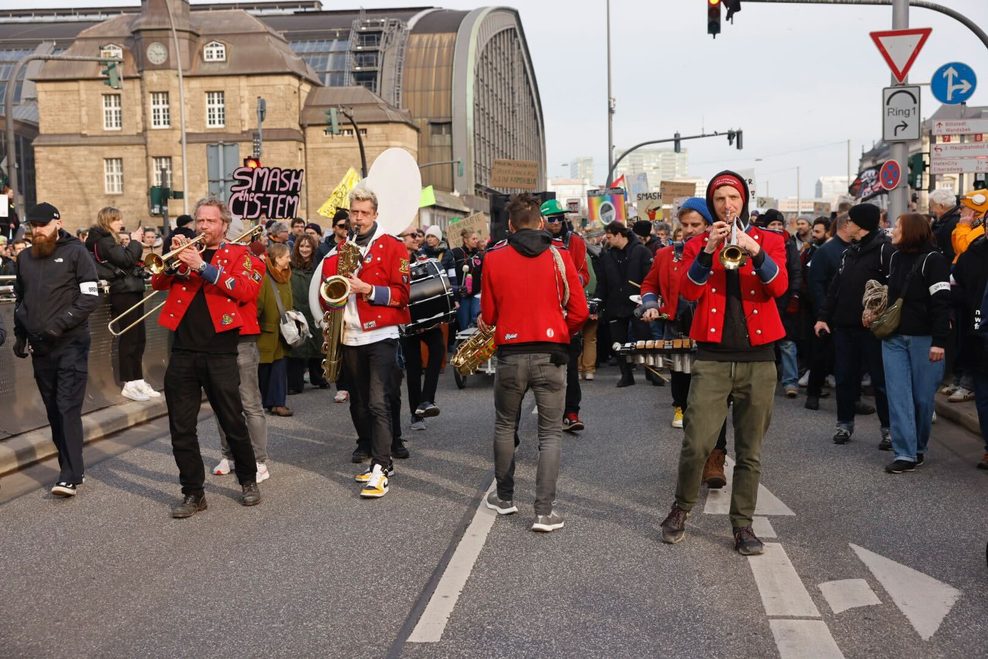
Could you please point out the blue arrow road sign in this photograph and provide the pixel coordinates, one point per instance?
(953, 83)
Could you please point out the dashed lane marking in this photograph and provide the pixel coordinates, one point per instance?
(782, 591)
(762, 527)
(719, 501)
(804, 639)
(848, 594)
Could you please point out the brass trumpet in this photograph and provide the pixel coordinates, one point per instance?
(156, 264)
(732, 257)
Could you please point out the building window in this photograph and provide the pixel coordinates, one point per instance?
(112, 112)
(160, 112)
(111, 51)
(214, 51)
(215, 110)
(113, 175)
(159, 165)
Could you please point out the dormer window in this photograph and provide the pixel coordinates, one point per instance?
(111, 51)
(214, 51)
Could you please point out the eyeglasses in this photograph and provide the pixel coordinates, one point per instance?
(341, 225)
(554, 219)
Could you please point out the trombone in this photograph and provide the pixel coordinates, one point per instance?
(161, 262)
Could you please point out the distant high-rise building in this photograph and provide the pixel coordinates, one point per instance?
(581, 168)
(831, 187)
(658, 164)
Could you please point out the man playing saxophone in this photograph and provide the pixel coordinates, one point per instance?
(532, 295)
(376, 304)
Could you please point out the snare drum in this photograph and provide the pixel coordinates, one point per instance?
(430, 298)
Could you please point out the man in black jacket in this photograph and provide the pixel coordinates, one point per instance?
(56, 289)
(970, 279)
(945, 211)
(854, 345)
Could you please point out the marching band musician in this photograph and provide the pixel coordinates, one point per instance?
(532, 296)
(735, 325)
(378, 304)
(204, 309)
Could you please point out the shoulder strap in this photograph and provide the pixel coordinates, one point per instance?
(560, 268)
(277, 295)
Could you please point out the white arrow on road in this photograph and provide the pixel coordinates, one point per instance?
(963, 86)
(921, 598)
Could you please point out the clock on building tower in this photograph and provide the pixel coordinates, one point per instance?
(157, 53)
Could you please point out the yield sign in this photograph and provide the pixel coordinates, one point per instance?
(900, 48)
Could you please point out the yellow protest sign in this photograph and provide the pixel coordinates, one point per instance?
(340, 198)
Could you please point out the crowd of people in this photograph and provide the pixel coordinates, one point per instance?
(836, 303)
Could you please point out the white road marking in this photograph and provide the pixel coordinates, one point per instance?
(848, 594)
(762, 527)
(782, 591)
(719, 501)
(921, 598)
(535, 410)
(804, 639)
(433, 622)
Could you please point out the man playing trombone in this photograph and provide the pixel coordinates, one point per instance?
(206, 291)
(734, 276)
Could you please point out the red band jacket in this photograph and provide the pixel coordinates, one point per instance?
(707, 285)
(248, 310)
(663, 280)
(386, 268)
(522, 296)
(229, 282)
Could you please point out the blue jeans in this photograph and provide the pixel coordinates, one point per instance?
(790, 367)
(911, 381)
(466, 314)
(981, 400)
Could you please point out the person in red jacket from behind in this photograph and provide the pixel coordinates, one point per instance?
(735, 326)
(531, 294)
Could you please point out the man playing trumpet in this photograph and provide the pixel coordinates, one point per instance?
(206, 291)
(735, 325)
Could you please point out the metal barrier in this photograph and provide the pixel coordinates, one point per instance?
(21, 408)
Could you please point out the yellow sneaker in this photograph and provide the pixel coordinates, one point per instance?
(376, 485)
(365, 476)
(677, 417)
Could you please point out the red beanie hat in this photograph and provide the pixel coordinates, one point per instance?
(731, 180)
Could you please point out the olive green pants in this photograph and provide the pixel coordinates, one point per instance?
(752, 385)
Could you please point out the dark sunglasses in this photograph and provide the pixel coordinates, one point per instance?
(341, 225)
(554, 219)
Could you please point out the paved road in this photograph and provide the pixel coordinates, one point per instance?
(316, 571)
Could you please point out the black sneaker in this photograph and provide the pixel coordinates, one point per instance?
(427, 409)
(900, 466)
(398, 450)
(360, 454)
(886, 443)
(64, 489)
(548, 523)
(920, 459)
(746, 542)
(842, 436)
(191, 504)
(863, 408)
(502, 506)
(812, 403)
(251, 494)
(674, 525)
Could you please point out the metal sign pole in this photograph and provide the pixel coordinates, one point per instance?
(899, 197)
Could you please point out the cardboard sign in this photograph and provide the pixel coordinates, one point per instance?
(672, 190)
(607, 206)
(649, 205)
(478, 222)
(271, 192)
(515, 174)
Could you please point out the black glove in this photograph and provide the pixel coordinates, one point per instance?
(20, 347)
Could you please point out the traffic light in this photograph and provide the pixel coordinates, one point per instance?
(332, 121)
(459, 168)
(257, 144)
(916, 168)
(676, 144)
(733, 7)
(738, 144)
(252, 162)
(111, 73)
(733, 135)
(713, 18)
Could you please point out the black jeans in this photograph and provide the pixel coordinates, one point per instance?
(296, 373)
(573, 392)
(61, 373)
(855, 347)
(370, 372)
(130, 344)
(187, 376)
(411, 347)
(821, 363)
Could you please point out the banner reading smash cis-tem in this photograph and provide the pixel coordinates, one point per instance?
(269, 192)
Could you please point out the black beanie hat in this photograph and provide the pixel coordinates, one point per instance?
(769, 216)
(866, 216)
(642, 228)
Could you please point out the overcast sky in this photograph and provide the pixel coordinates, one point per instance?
(800, 80)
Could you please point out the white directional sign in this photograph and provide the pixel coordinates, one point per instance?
(960, 127)
(955, 158)
(900, 114)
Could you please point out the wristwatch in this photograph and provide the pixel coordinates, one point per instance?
(202, 267)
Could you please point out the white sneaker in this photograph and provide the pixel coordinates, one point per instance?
(262, 472)
(961, 395)
(805, 380)
(342, 396)
(223, 468)
(588, 376)
(146, 389)
(132, 391)
(831, 381)
(866, 380)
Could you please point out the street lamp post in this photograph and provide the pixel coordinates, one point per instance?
(181, 110)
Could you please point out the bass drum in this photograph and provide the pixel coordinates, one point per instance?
(430, 298)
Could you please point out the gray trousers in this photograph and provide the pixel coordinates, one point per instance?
(250, 393)
(515, 375)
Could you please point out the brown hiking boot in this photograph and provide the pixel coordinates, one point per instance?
(713, 470)
(674, 525)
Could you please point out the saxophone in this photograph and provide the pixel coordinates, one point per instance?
(474, 351)
(334, 292)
